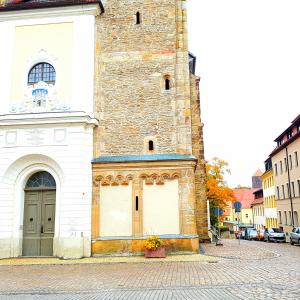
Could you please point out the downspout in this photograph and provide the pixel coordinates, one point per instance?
(290, 186)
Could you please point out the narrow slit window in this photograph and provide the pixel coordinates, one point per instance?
(136, 203)
(167, 84)
(151, 146)
(138, 18)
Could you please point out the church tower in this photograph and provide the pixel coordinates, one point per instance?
(148, 170)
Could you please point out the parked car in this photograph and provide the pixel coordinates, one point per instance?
(260, 234)
(295, 236)
(247, 232)
(252, 234)
(274, 235)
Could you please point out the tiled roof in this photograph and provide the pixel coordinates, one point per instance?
(245, 196)
(258, 173)
(35, 4)
(137, 158)
(294, 123)
(258, 201)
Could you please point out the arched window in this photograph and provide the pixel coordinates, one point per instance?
(42, 72)
(41, 180)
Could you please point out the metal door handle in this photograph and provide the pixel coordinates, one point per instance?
(42, 229)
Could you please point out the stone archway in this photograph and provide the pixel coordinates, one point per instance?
(39, 215)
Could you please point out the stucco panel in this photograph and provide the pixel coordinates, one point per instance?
(116, 210)
(161, 208)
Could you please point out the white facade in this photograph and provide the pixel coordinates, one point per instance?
(57, 136)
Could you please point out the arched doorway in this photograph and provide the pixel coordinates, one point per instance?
(39, 215)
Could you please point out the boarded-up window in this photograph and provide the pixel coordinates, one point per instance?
(161, 208)
(116, 211)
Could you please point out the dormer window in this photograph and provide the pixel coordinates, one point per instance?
(42, 72)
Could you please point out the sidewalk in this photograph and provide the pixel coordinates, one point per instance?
(246, 250)
(103, 260)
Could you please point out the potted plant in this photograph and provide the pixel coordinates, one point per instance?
(154, 248)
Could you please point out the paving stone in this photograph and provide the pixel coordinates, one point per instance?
(259, 271)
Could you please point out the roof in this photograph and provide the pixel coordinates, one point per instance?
(258, 173)
(289, 128)
(245, 196)
(137, 158)
(12, 5)
(258, 201)
(285, 144)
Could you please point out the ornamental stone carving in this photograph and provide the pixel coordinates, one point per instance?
(40, 97)
(113, 180)
(159, 179)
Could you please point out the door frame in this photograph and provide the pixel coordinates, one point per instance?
(18, 222)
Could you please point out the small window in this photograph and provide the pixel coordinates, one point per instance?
(42, 72)
(138, 18)
(137, 203)
(291, 162)
(286, 164)
(151, 146)
(296, 159)
(167, 84)
(293, 190)
(278, 194)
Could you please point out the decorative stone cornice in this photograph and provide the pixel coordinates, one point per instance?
(113, 180)
(47, 118)
(159, 179)
(75, 10)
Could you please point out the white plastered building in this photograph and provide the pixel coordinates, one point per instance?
(46, 130)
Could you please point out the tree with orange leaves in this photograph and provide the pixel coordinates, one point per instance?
(217, 191)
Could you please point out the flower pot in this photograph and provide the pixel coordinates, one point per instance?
(158, 253)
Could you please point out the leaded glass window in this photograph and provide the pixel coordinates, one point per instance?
(42, 72)
(41, 180)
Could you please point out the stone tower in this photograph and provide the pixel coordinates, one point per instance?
(150, 130)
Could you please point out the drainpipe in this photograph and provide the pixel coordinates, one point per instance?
(290, 186)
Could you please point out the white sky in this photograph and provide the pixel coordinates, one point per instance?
(248, 55)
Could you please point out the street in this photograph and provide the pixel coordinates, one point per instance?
(255, 270)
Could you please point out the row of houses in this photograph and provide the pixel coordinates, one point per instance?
(274, 198)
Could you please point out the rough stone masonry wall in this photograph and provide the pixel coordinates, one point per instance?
(132, 61)
(198, 152)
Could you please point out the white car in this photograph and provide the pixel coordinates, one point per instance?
(274, 235)
(295, 236)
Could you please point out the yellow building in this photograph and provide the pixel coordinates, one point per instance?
(269, 196)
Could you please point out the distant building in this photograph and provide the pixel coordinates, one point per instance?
(256, 180)
(246, 197)
(286, 169)
(258, 209)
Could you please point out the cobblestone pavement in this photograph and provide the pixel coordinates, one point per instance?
(256, 270)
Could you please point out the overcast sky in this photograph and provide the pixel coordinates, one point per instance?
(248, 55)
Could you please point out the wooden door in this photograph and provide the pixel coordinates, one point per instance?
(39, 221)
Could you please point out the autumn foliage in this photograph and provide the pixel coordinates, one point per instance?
(217, 191)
